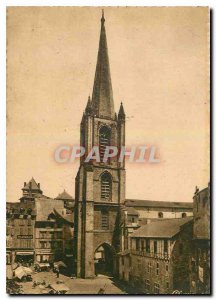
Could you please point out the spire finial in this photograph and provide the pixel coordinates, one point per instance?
(121, 114)
(102, 19)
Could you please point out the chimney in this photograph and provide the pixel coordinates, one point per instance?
(24, 184)
(30, 185)
(39, 185)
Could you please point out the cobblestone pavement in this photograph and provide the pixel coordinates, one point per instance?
(76, 286)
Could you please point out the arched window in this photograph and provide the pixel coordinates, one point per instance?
(184, 215)
(104, 140)
(160, 215)
(106, 187)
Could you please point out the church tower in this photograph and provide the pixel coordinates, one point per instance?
(100, 186)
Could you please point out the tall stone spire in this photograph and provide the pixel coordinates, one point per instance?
(102, 96)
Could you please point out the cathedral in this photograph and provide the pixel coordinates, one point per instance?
(100, 186)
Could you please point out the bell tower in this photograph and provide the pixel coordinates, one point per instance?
(100, 186)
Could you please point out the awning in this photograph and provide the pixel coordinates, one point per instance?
(43, 265)
(59, 287)
(25, 253)
(20, 273)
(28, 270)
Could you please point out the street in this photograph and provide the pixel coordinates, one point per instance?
(76, 286)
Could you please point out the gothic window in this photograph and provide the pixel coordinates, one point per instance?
(106, 183)
(104, 140)
(104, 220)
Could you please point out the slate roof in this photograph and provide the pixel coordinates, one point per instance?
(64, 196)
(45, 207)
(34, 185)
(102, 96)
(67, 217)
(161, 228)
(152, 203)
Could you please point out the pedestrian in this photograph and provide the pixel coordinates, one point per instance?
(57, 273)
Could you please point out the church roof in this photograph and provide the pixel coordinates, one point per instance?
(153, 203)
(162, 228)
(102, 96)
(33, 185)
(64, 196)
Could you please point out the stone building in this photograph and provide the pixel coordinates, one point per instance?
(67, 199)
(39, 228)
(100, 186)
(31, 190)
(140, 212)
(157, 261)
(200, 259)
(151, 209)
(20, 221)
(48, 231)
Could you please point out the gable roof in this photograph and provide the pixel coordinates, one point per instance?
(45, 208)
(161, 229)
(152, 203)
(69, 218)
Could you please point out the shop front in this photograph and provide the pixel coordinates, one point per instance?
(43, 257)
(24, 257)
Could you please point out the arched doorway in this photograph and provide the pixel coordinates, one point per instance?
(104, 259)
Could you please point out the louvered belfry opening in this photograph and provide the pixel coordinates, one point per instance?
(106, 190)
(104, 141)
(104, 220)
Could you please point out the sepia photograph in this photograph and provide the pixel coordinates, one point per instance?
(108, 150)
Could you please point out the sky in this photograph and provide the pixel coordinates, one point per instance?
(159, 61)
